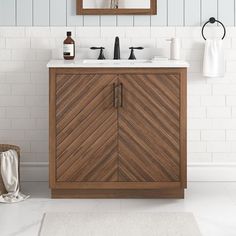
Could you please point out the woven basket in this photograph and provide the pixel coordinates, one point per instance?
(4, 148)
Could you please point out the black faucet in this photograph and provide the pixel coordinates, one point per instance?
(132, 56)
(101, 55)
(117, 49)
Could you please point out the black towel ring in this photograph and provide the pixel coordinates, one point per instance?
(212, 20)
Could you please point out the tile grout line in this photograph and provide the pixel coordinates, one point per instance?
(184, 13)
(167, 15)
(32, 7)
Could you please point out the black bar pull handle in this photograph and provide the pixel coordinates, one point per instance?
(114, 95)
(121, 95)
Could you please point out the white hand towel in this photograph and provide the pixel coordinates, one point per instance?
(214, 61)
(10, 176)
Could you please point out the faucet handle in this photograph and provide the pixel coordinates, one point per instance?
(101, 55)
(132, 56)
(139, 48)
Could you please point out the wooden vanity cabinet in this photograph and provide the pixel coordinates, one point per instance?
(117, 133)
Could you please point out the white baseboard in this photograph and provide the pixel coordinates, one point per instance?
(31, 171)
(212, 172)
(34, 171)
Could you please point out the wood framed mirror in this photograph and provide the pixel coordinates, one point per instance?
(116, 7)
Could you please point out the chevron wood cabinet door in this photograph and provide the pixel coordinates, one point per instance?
(86, 128)
(118, 132)
(149, 124)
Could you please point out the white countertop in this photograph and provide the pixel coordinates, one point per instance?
(116, 64)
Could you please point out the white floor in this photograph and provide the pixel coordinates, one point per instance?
(213, 204)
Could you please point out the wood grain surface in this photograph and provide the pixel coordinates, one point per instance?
(118, 129)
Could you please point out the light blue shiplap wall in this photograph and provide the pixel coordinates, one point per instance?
(62, 13)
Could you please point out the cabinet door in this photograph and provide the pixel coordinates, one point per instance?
(86, 128)
(149, 128)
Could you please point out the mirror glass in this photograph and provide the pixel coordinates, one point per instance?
(116, 4)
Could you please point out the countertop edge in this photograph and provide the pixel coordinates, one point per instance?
(80, 64)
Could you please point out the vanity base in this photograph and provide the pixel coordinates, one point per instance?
(115, 193)
(118, 132)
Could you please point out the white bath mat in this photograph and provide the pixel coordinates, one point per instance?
(119, 224)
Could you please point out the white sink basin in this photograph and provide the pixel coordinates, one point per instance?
(116, 62)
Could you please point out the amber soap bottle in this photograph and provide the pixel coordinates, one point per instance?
(69, 47)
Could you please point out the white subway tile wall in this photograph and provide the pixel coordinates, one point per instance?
(25, 51)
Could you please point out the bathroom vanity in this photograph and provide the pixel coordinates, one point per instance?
(118, 129)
